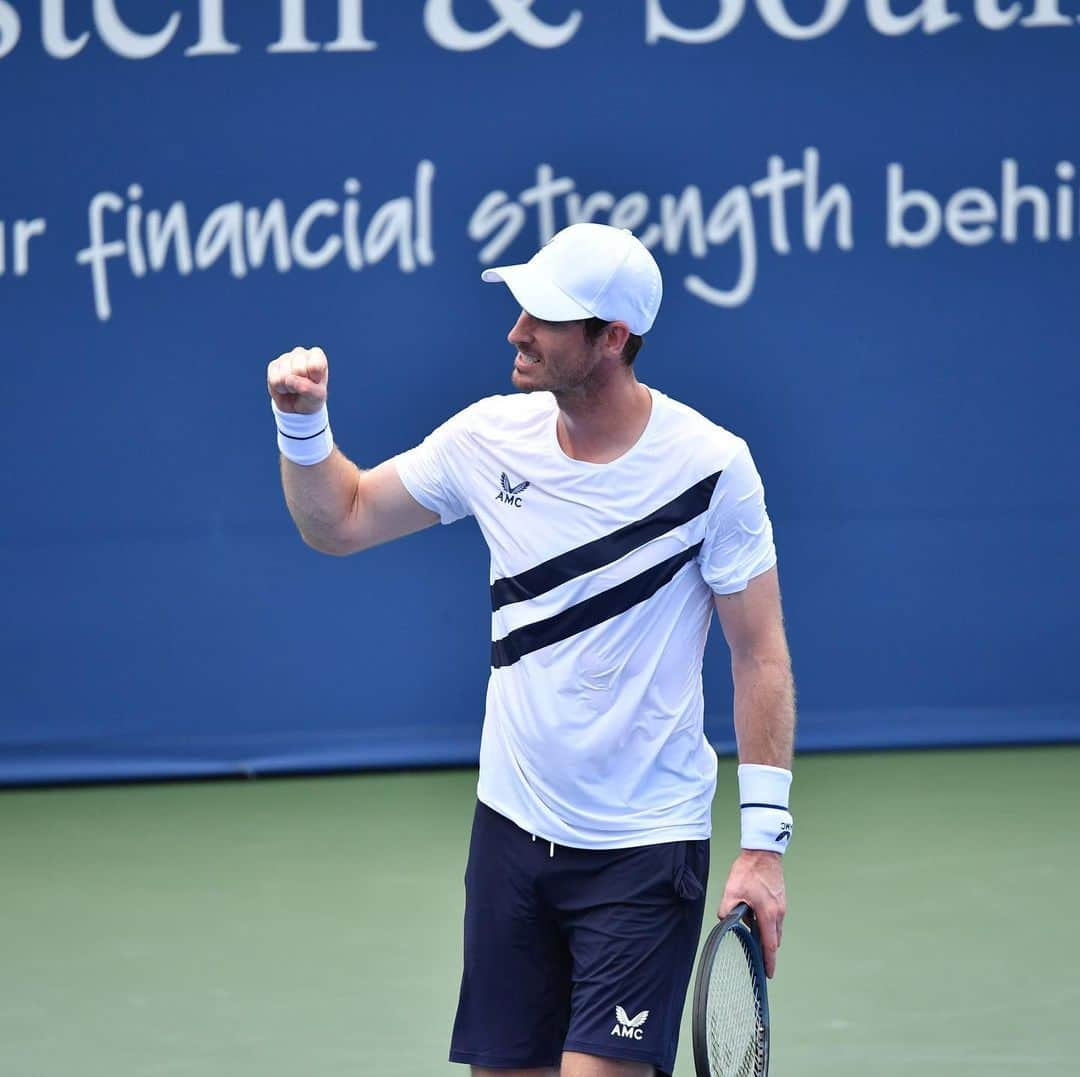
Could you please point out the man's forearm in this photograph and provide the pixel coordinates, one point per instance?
(765, 728)
(322, 498)
(764, 708)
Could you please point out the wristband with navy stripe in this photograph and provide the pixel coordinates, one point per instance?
(763, 807)
(304, 439)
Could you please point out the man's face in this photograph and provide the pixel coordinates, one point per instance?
(552, 356)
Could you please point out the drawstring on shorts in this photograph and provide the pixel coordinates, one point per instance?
(551, 848)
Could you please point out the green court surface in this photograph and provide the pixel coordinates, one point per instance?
(304, 927)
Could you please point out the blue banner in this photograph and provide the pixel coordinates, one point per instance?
(867, 216)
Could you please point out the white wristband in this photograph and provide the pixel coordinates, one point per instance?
(304, 439)
(763, 804)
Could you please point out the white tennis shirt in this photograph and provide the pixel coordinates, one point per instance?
(602, 580)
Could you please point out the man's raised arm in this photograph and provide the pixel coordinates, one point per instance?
(338, 508)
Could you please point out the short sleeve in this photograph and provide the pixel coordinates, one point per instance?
(738, 541)
(432, 471)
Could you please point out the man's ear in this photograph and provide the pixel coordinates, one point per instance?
(616, 334)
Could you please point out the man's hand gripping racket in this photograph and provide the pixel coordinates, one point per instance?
(757, 878)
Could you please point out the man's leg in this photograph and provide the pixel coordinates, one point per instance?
(514, 1006)
(575, 1064)
(632, 919)
(483, 1071)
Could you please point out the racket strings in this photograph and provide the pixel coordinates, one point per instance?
(735, 1030)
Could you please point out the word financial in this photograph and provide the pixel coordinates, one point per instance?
(246, 236)
(62, 38)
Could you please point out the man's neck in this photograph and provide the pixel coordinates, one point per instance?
(599, 424)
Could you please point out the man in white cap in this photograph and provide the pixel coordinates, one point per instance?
(617, 520)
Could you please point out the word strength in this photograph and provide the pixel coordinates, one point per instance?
(246, 237)
(724, 229)
(203, 30)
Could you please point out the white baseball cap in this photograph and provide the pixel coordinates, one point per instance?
(587, 271)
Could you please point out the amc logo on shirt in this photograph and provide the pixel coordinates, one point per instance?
(509, 495)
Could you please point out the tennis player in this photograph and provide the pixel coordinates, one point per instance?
(617, 520)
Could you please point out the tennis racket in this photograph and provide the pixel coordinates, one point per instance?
(731, 1005)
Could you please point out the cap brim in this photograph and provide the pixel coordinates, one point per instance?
(536, 293)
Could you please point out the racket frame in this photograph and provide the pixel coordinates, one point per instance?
(734, 921)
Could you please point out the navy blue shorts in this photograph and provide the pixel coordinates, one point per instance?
(584, 950)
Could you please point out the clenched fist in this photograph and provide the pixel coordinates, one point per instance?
(298, 380)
